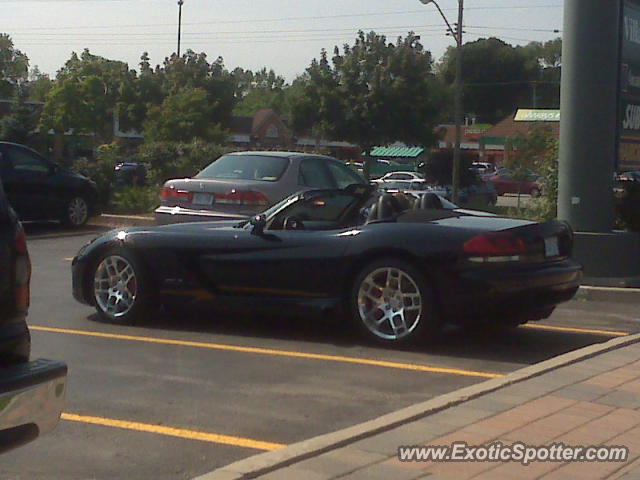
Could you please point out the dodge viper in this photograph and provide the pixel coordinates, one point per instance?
(396, 268)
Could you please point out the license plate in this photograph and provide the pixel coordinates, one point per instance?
(202, 199)
(551, 248)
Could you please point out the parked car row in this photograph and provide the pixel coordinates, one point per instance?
(40, 190)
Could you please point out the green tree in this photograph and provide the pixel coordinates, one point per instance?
(496, 77)
(137, 96)
(184, 116)
(39, 85)
(547, 57)
(85, 95)
(192, 70)
(262, 89)
(14, 67)
(372, 93)
(21, 123)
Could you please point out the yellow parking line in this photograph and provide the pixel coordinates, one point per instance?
(68, 259)
(611, 333)
(174, 432)
(281, 353)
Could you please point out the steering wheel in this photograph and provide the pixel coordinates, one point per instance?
(293, 223)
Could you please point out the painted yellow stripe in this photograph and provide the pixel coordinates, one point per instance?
(281, 353)
(174, 432)
(611, 333)
(68, 259)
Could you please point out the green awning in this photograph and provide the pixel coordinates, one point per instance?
(531, 115)
(397, 152)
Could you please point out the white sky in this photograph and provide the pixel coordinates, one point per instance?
(281, 34)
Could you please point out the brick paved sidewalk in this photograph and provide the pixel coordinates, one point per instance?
(592, 402)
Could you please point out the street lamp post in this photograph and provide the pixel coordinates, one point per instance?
(457, 102)
(180, 2)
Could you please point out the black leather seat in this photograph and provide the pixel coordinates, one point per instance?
(429, 201)
(385, 208)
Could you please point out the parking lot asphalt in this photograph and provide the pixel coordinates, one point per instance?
(189, 391)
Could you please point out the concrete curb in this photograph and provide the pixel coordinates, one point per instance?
(263, 463)
(609, 294)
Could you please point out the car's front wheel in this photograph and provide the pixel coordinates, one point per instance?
(120, 290)
(76, 212)
(391, 302)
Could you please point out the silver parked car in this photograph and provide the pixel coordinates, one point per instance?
(242, 184)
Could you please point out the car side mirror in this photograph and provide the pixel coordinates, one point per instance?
(258, 223)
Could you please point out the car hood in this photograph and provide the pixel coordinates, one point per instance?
(181, 234)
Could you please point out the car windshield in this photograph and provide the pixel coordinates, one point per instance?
(271, 211)
(246, 167)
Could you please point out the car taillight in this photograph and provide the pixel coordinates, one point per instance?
(23, 271)
(242, 197)
(494, 247)
(172, 193)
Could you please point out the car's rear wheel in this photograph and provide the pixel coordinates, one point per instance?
(76, 212)
(535, 192)
(391, 302)
(121, 293)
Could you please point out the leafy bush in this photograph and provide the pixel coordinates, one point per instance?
(541, 148)
(165, 160)
(135, 200)
(99, 169)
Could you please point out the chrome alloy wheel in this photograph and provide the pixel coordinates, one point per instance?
(115, 286)
(389, 303)
(77, 211)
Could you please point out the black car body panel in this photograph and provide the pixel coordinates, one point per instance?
(314, 268)
(31, 392)
(39, 189)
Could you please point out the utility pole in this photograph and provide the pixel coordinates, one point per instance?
(455, 181)
(457, 102)
(180, 2)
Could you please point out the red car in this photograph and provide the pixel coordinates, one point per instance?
(505, 183)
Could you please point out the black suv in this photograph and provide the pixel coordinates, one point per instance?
(40, 190)
(31, 392)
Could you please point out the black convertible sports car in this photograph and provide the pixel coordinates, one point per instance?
(398, 270)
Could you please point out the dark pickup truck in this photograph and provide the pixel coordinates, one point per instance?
(31, 392)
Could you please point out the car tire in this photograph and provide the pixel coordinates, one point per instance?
(534, 192)
(392, 303)
(76, 212)
(120, 288)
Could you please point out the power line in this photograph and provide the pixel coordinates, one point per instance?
(520, 29)
(283, 19)
(414, 28)
(244, 32)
